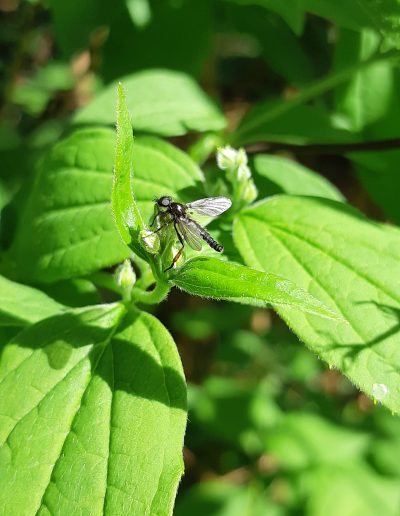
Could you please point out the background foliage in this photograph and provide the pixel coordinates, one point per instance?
(95, 392)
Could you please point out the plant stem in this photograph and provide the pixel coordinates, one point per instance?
(155, 296)
(310, 92)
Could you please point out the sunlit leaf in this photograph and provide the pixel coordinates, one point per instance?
(77, 389)
(351, 265)
(160, 102)
(213, 278)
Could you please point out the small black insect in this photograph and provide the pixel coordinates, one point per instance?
(187, 229)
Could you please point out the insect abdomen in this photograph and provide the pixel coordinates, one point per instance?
(211, 242)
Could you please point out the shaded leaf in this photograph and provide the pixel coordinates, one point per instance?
(351, 489)
(300, 125)
(302, 440)
(21, 305)
(274, 174)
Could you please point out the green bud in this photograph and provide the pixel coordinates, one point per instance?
(125, 278)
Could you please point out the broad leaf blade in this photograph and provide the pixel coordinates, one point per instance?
(210, 277)
(126, 212)
(113, 401)
(161, 102)
(274, 174)
(67, 227)
(298, 125)
(21, 305)
(348, 262)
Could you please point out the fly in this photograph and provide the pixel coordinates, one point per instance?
(188, 230)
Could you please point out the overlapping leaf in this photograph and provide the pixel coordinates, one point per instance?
(161, 102)
(350, 264)
(210, 277)
(67, 228)
(21, 305)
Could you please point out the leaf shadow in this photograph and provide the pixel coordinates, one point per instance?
(120, 361)
(351, 350)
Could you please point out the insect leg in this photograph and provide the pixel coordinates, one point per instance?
(154, 219)
(178, 254)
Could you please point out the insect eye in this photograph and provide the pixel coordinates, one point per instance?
(164, 201)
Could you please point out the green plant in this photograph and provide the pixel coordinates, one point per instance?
(93, 398)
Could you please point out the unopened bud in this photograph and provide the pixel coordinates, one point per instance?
(125, 278)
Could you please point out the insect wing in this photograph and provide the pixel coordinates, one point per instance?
(210, 206)
(190, 233)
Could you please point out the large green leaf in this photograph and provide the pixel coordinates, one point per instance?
(369, 103)
(217, 279)
(292, 121)
(21, 305)
(161, 102)
(300, 125)
(93, 416)
(67, 228)
(349, 263)
(275, 174)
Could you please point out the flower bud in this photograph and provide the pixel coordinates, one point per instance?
(125, 278)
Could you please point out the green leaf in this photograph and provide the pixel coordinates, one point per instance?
(342, 12)
(213, 278)
(126, 213)
(282, 50)
(80, 19)
(351, 489)
(67, 228)
(351, 265)
(274, 174)
(293, 122)
(368, 102)
(21, 305)
(162, 169)
(385, 15)
(302, 440)
(179, 36)
(300, 125)
(161, 102)
(378, 172)
(76, 390)
(291, 11)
